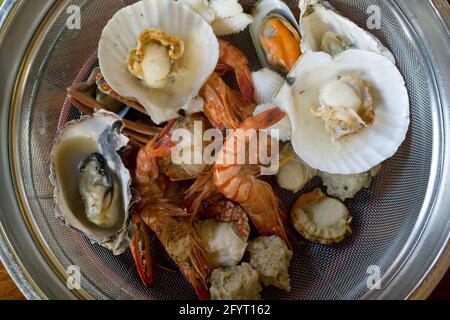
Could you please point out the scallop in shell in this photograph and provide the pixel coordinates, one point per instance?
(312, 82)
(324, 29)
(91, 184)
(320, 218)
(181, 78)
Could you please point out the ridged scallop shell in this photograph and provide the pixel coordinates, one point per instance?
(367, 148)
(317, 17)
(174, 18)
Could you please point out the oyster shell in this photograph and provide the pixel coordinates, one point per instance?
(320, 218)
(275, 35)
(200, 57)
(324, 29)
(91, 184)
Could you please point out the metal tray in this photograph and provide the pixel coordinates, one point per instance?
(402, 222)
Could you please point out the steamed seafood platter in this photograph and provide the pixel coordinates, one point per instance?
(189, 140)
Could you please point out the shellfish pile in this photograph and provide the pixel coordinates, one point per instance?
(329, 93)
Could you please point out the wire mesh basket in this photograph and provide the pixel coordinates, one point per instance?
(385, 216)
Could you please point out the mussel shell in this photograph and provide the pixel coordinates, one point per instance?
(268, 34)
(261, 11)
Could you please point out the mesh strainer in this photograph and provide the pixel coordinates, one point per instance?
(403, 211)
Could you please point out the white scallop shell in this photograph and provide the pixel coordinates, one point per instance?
(322, 17)
(200, 57)
(267, 83)
(369, 147)
(225, 8)
(232, 25)
(202, 8)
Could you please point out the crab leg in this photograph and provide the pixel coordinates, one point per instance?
(140, 249)
(89, 105)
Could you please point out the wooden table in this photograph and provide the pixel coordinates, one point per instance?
(8, 290)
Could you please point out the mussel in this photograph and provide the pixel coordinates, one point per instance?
(276, 35)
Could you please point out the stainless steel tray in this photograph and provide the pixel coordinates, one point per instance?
(403, 223)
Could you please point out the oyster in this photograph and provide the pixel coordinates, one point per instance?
(91, 184)
(276, 35)
(320, 218)
(324, 29)
(171, 77)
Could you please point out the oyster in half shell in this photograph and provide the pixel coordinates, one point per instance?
(91, 184)
(324, 29)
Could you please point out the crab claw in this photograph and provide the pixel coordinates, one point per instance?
(140, 249)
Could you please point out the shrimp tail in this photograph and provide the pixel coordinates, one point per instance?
(264, 120)
(197, 273)
(245, 82)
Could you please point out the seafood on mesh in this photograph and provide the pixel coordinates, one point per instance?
(328, 102)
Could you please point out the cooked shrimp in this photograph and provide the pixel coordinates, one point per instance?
(224, 107)
(149, 183)
(232, 59)
(240, 183)
(171, 224)
(182, 244)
